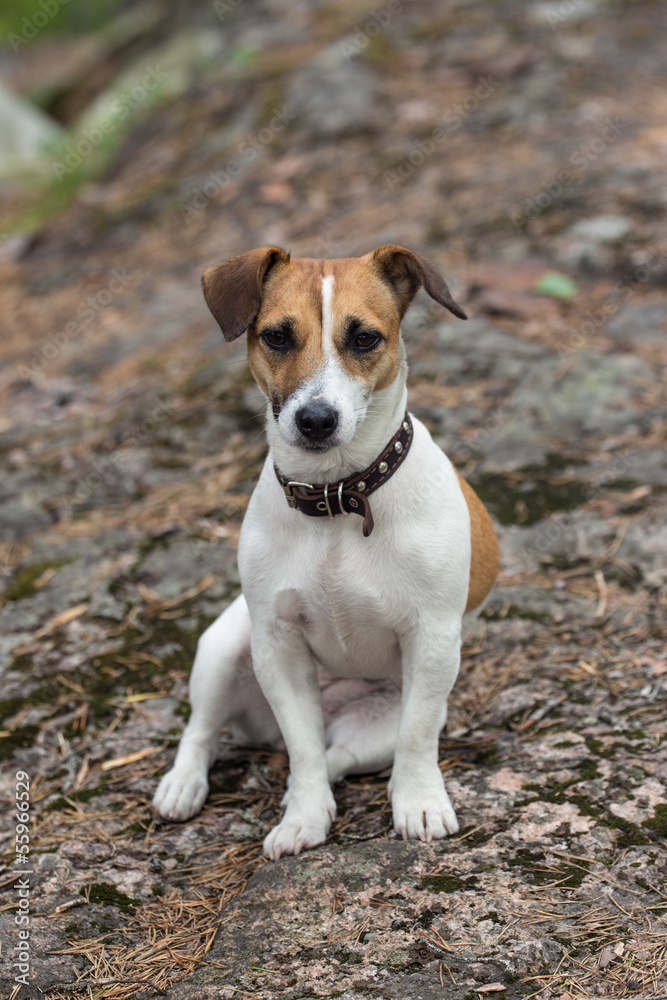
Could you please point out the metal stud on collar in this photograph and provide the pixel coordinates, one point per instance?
(398, 447)
(382, 467)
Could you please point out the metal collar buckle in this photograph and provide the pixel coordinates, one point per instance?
(287, 489)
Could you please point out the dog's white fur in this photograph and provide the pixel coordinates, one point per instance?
(355, 642)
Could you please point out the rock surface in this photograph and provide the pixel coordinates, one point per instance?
(26, 133)
(131, 436)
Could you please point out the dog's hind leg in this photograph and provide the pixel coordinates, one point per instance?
(361, 732)
(223, 690)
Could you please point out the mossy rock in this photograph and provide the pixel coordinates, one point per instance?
(108, 895)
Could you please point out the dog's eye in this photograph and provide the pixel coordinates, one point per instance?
(275, 338)
(366, 340)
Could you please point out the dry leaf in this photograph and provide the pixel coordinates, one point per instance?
(491, 988)
(132, 698)
(607, 956)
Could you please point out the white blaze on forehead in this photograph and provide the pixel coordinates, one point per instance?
(331, 383)
(327, 316)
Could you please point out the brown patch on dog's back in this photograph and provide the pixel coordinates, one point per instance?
(485, 555)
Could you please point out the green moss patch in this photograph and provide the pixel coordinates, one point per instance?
(493, 917)
(529, 494)
(25, 578)
(125, 668)
(556, 793)
(108, 895)
(538, 872)
(21, 738)
(83, 795)
(629, 835)
(659, 822)
(528, 861)
(514, 611)
(487, 757)
(448, 882)
(475, 837)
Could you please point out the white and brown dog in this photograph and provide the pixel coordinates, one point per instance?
(346, 640)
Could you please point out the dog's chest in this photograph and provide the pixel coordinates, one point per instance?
(328, 588)
(347, 616)
(352, 597)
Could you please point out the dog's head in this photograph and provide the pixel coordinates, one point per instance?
(323, 335)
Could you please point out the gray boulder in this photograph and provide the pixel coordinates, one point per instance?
(25, 135)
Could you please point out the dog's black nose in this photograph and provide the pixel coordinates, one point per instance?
(317, 421)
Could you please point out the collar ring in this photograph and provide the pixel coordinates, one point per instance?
(326, 500)
(340, 498)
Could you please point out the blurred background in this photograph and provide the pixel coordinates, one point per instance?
(520, 146)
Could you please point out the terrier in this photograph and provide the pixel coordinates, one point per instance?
(363, 554)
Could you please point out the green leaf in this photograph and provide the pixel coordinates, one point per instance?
(244, 56)
(557, 285)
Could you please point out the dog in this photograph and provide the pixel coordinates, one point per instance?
(363, 554)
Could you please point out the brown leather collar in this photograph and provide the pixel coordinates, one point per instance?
(350, 496)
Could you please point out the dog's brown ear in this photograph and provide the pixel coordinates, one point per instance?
(406, 271)
(233, 288)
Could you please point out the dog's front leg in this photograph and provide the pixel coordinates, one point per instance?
(420, 804)
(287, 674)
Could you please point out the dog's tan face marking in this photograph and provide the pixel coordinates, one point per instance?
(323, 335)
(364, 305)
(292, 304)
(359, 330)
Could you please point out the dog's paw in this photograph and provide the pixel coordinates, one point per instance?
(423, 811)
(180, 794)
(299, 830)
